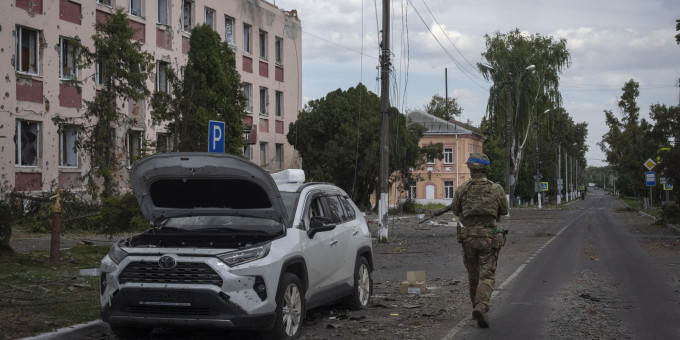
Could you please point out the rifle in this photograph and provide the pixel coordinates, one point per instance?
(435, 214)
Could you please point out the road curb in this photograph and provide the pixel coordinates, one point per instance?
(72, 332)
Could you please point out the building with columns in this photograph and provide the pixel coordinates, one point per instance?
(36, 36)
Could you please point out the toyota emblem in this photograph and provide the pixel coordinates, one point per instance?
(167, 262)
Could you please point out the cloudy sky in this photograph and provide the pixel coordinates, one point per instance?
(610, 41)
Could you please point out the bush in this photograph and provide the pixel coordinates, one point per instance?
(6, 218)
(121, 213)
(408, 207)
(670, 212)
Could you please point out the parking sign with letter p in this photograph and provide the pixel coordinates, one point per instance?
(215, 136)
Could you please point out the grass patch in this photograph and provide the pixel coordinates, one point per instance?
(38, 296)
(633, 204)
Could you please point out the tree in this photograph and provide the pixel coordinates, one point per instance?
(211, 90)
(125, 71)
(677, 28)
(510, 58)
(626, 145)
(338, 139)
(444, 108)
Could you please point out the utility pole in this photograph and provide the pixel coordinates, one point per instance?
(446, 90)
(383, 202)
(559, 174)
(537, 183)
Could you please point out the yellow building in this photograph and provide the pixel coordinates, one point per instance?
(437, 180)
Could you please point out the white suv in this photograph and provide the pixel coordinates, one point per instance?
(233, 247)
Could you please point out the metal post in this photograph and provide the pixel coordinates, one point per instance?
(383, 203)
(559, 173)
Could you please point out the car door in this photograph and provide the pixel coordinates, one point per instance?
(346, 231)
(323, 250)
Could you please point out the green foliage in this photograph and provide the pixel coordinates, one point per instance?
(532, 98)
(49, 294)
(120, 214)
(6, 220)
(125, 71)
(408, 207)
(443, 108)
(211, 90)
(338, 138)
(677, 28)
(670, 212)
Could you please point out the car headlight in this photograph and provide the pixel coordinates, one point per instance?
(117, 254)
(236, 258)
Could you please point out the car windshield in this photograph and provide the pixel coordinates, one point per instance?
(289, 199)
(223, 224)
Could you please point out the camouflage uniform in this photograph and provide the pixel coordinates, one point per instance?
(479, 203)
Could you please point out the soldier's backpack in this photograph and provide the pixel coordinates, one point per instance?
(479, 200)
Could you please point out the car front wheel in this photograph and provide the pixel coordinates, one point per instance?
(363, 286)
(290, 307)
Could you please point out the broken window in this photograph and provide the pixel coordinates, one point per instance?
(135, 7)
(246, 38)
(27, 49)
(278, 50)
(210, 17)
(133, 144)
(263, 44)
(187, 15)
(448, 189)
(162, 76)
(27, 141)
(164, 142)
(104, 2)
(264, 101)
(248, 92)
(68, 154)
(263, 154)
(68, 68)
(229, 31)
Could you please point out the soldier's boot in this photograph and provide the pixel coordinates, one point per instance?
(479, 314)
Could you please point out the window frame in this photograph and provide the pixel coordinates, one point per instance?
(18, 144)
(448, 190)
(278, 156)
(248, 92)
(413, 192)
(264, 101)
(247, 29)
(168, 141)
(449, 159)
(184, 18)
(278, 103)
(64, 151)
(19, 51)
(231, 42)
(278, 50)
(130, 148)
(160, 15)
(108, 4)
(64, 43)
(141, 8)
(263, 37)
(162, 66)
(264, 146)
(207, 10)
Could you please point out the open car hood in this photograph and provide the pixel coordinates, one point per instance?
(188, 184)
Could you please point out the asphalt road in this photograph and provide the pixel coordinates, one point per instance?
(592, 265)
(585, 271)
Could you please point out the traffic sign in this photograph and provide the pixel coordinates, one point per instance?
(668, 186)
(544, 186)
(650, 178)
(649, 164)
(215, 136)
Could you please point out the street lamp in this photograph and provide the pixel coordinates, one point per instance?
(508, 129)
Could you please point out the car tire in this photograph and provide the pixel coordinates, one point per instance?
(290, 309)
(126, 332)
(363, 286)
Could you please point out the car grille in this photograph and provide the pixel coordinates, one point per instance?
(183, 273)
(169, 310)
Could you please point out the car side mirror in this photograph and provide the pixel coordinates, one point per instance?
(319, 224)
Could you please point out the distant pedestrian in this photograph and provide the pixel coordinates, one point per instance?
(479, 204)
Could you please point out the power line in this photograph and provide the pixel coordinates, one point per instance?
(339, 45)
